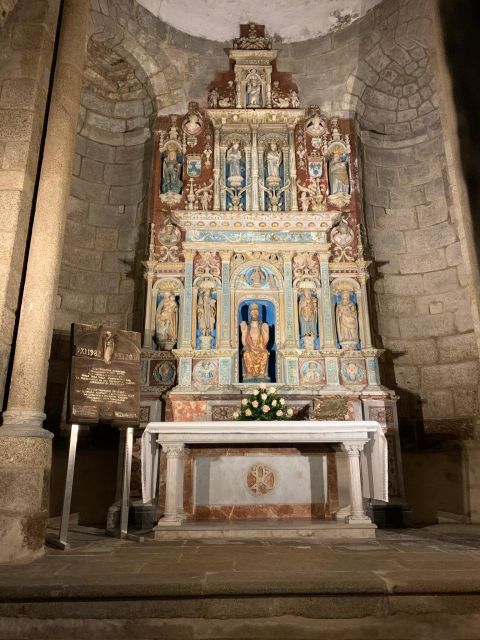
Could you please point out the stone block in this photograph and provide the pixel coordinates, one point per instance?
(404, 285)
(417, 352)
(390, 157)
(77, 301)
(395, 219)
(388, 177)
(89, 191)
(454, 254)
(466, 402)
(377, 59)
(106, 239)
(112, 125)
(464, 320)
(15, 125)
(18, 93)
(100, 303)
(97, 103)
(126, 195)
(77, 209)
(380, 100)
(118, 261)
(124, 174)
(130, 154)
(95, 282)
(10, 204)
(109, 215)
(127, 285)
(458, 347)
(441, 281)
(380, 116)
(379, 197)
(388, 240)
(407, 377)
(79, 235)
(127, 238)
(464, 374)
(388, 326)
(433, 213)
(440, 235)
(92, 170)
(426, 326)
(99, 152)
(407, 196)
(130, 109)
(438, 404)
(396, 305)
(407, 115)
(451, 301)
(27, 37)
(423, 262)
(120, 303)
(21, 489)
(81, 258)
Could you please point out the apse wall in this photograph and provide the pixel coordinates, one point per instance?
(382, 71)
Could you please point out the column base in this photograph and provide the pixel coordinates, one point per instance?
(358, 520)
(174, 522)
(24, 424)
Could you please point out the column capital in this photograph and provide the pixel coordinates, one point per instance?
(189, 254)
(352, 448)
(226, 255)
(174, 450)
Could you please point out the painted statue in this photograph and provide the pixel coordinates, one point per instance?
(206, 312)
(172, 170)
(234, 164)
(307, 314)
(254, 92)
(255, 336)
(338, 173)
(274, 160)
(347, 320)
(167, 320)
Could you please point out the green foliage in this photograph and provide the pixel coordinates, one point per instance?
(263, 404)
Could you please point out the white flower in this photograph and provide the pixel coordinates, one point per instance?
(289, 412)
(235, 415)
(254, 404)
(274, 403)
(263, 396)
(282, 401)
(279, 413)
(255, 392)
(272, 390)
(265, 408)
(244, 401)
(248, 412)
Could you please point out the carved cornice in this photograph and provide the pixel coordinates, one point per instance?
(233, 117)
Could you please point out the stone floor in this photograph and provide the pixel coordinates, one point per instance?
(416, 583)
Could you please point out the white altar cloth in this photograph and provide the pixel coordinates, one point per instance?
(364, 436)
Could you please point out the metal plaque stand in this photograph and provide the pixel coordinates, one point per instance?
(61, 541)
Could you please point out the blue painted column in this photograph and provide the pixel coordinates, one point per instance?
(288, 291)
(225, 329)
(185, 341)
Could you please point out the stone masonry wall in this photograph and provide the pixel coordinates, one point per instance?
(26, 49)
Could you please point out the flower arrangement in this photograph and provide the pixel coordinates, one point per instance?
(263, 404)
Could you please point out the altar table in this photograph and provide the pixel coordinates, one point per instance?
(363, 441)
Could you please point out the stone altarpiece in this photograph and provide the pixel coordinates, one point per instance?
(256, 215)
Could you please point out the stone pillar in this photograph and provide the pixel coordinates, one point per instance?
(293, 168)
(290, 318)
(327, 315)
(255, 205)
(365, 315)
(25, 444)
(224, 327)
(355, 483)
(216, 169)
(172, 514)
(185, 340)
(149, 330)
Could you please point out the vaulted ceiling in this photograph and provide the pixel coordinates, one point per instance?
(292, 20)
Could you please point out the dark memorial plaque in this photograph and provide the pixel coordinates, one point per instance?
(104, 375)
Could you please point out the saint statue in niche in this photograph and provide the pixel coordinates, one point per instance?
(307, 314)
(254, 91)
(172, 170)
(257, 277)
(274, 160)
(347, 320)
(234, 165)
(338, 172)
(255, 336)
(167, 322)
(206, 312)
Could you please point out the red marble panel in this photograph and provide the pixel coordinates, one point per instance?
(260, 512)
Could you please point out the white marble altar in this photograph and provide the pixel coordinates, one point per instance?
(363, 441)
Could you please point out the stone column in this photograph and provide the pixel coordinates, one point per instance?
(148, 329)
(354, 479)
(216, 169)
(290, 318)
(185, 340)
(25, 444)
(327, 315)
(255, 205)
(367, 335)
(293, 168)
(172, 514)
(224, 327)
